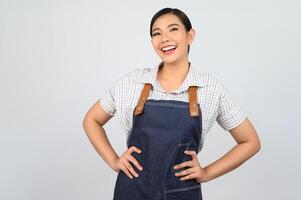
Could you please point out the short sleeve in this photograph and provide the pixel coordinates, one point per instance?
(230, 114)
(107, 101)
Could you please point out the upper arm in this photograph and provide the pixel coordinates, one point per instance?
(233, 119)
(230, 114)
(97, 113)
(104, 108)
(245, 132)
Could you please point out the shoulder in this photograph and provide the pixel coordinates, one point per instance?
(214, 81)
(211, 85)
(131, 78)
(208, 80)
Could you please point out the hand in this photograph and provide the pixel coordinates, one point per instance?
(122, 162)
(194, 170)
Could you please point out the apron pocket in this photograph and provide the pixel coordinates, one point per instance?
(184, 193)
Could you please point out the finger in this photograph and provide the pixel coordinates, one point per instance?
(192, 153)
(185, 172)
(184, 164)
(189, 176)
(134, 149)
(126, 171)
(135, 162)
(130, 168)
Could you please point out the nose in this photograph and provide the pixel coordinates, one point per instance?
(164, 37)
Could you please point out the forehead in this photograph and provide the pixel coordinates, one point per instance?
(164, 20)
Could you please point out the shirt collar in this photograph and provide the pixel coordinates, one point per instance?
(192, 78)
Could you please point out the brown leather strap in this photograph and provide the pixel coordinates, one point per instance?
(193, 102)
(143, 97)
(192, 91)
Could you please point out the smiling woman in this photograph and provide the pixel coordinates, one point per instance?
(171, 30)
(166, 112)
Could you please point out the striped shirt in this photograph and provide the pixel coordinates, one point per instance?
(213, 97)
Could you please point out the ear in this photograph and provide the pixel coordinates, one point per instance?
(191, 35)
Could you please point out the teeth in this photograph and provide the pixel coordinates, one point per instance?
(168, 48)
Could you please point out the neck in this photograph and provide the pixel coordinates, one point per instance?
(174, 72)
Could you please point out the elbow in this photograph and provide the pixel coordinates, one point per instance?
(254, 145)
(85, 122)
(257, 146)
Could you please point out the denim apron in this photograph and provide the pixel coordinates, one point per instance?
(163, 130)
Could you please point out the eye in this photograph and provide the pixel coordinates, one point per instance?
(154, 34)
(174, 29)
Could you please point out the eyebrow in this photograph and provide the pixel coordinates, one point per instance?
(167, 26)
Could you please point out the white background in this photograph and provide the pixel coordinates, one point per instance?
(58, 57)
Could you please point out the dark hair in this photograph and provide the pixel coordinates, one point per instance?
(180, 14)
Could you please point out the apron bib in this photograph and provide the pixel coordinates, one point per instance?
(163, 130)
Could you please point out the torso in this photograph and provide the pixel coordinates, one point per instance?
(123, 98)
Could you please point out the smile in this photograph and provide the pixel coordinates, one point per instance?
(168, 49)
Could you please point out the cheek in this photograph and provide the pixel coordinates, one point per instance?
(155, 44)
(183, 42)
(182, 39)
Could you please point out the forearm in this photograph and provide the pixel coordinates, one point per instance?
(99, 140)
(231, 160)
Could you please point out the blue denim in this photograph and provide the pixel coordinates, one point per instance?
(163, 131)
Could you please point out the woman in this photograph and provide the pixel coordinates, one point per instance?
(167, 111)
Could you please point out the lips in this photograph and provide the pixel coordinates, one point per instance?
(169, 48)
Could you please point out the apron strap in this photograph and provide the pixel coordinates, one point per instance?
(192, 91)
(143, 97)
(193, 102)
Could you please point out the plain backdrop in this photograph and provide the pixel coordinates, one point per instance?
(58, 57)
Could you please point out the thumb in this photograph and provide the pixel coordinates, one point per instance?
(192, 153)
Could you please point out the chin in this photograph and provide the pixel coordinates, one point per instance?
(170, 60)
